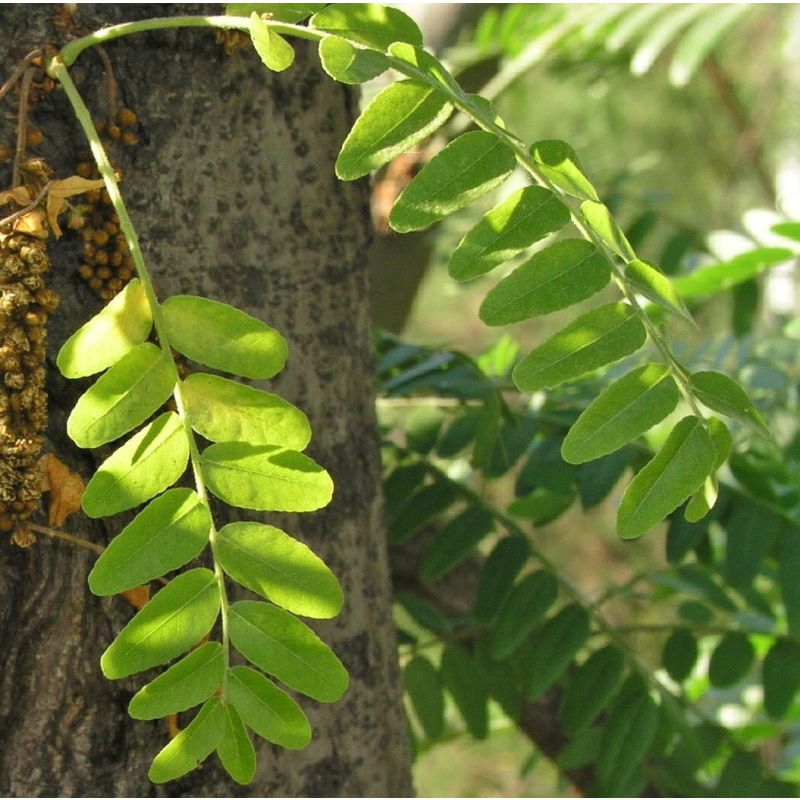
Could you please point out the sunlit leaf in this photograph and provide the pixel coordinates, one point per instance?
(426, 63)
(720, 393)
(276, 53)
(177, 617)
(649, 281)
(368, 23)
(559, 164)
(235, 750)
(144, 466)
(280, 12)
(347, 63)
(125, 322)
(600, 220)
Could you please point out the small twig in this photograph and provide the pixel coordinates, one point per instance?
(17, 214)
(22, 126)
(17, 73)
(67, 537)
(112, 89)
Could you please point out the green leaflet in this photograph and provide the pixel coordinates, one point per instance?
(222, 410)
(704, 499)
(648, 280)
(349, 64)
(679, 468)
(750, 531)
(275, 52)
(600, 337)
(282, 646)
(624, 410)
(521, 219)
(720, 393)
(627, 736)
(125, 322)
(396, 119)
(279, 568)
(280, 12)
(497, 576)
(268, 710)
(591, 688)
(553, 647)
(235, 750)
(558, 276)
(453, 544)
(525, 607)
(582, 750)
(370, 24)
(788, 558)
(123, 397)
(187, 683)
(731, 660)
(462, 679)
(421, 507)
(222, 337)
(542, 505)
(265, 477)
(145, 465)
(599, 219)
(423, 613)
(781, 677)
(469, 166)
(791, 230)
(559, 164)
(424, 688)
(426, 63)
(167, 534)
(679, 654)
(177, 617)
(191, 746)
(597, 478)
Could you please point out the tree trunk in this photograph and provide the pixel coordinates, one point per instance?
(233, 192)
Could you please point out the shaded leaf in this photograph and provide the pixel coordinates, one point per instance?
(781, 677)
(751, 531)
(424, 688)
(731, 660)
(462, 680)
(144, 466)
(65, 486)
(420, 508)
(679, 654)
(648, 280)
(591, 688)
(497, 576)
(720, 393)
(455, 542)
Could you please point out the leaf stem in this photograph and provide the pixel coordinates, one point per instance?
(57, 69)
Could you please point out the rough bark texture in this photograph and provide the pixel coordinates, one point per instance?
(233, 191)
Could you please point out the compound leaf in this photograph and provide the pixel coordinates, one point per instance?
(145, 465)
(399, 117)
(281, 645)
(625, 410)
(466, 168)
(125, 322)
(123, 397)
(349, 64)
(558, 276)
(368, 23)
(223, 337)
(679, 468)
(176, 618)
(521, 219)
(171, 531)
(191, 746)
(265, 477)
(595, 339)
(279, 568)
(222, 410)
(188, 682)
(268, 710)
(424, 688)
(235, 750)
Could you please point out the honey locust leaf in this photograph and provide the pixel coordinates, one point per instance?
(369, 24)
(347, 63)
(275, 52)
(235, 750)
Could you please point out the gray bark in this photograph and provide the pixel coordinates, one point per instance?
(233, 192)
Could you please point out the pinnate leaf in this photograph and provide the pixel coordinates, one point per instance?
(123, 397)
(235, 750)
(720, 393)
(677, 470)
(469, 166)
(265, 478)
(559, 164)
(520, 220)
(275, 52)
(268, 710)
(279, 568)
(347, 63)
(176, 618)
(625, 410)
(171, 531)
(223, 337)
(558, 276)
(187, 683)
(396, 119)
(222, 410)
(192, 745)
(144, 466)
(125, 322)
(281, 645)
(595, 339)
(368, 23)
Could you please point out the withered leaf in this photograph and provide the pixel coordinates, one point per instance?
(137, 596)
(19, 195)
(65, 487)
(59, 191)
